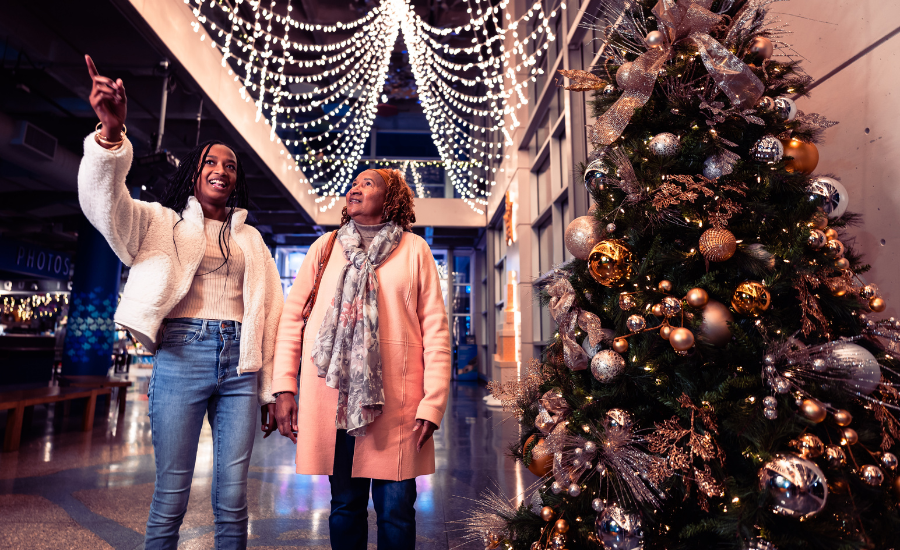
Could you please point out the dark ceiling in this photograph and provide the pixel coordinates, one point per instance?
(43, 80)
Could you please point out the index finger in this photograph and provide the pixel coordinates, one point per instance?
(92, 69)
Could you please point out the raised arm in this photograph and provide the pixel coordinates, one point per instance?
(102, 193)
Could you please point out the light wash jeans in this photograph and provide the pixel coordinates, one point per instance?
(195, 373)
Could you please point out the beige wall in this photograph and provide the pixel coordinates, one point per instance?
(864, 96)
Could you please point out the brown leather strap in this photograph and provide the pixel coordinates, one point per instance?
(311, 299)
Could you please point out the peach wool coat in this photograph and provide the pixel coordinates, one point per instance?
(415, 351)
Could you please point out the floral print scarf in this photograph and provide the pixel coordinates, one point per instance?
(346, 350)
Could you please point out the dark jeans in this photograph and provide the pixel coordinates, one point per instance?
(394, 500)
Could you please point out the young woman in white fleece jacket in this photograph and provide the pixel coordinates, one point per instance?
(203, 294)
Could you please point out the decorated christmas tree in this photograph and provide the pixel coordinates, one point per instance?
(720, 377)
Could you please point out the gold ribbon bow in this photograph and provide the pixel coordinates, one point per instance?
(569, 316)
(684, 20)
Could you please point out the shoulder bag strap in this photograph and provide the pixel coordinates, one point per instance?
(311, 300)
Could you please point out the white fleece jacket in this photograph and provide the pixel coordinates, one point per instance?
(164, 257)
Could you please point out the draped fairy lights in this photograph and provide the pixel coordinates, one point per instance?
(320, 100)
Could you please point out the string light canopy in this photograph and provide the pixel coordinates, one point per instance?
(320, 100)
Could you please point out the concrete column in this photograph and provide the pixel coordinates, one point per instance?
(90, 332)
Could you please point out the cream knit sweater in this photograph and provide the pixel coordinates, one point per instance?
(164, 259)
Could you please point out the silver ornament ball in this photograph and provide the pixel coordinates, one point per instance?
(765, 103)
(716, 166)
(785, 108)
(770, 402)
(768, 149)
(770, 414)
(889, 461)
(574, 490)
(598, 505)
(607, 365)
(781, 385)
(618, 419)
(596, 175)
(872, 475)
(556, 487)
(832, 195)
(590, 448)
(610, 227)
(623, 74)
(671, 306)
(665, 144)
(860, 367)
(819, 365)
(581, 237)
(795, 486)
(655, 39)
(619, 530)
(635, 323)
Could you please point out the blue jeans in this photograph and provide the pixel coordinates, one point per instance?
(394, 505)
(195, 373)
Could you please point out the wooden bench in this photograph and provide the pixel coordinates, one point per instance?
(16, 402)
(84, 381)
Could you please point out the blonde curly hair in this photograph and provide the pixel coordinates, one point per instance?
(398, 200)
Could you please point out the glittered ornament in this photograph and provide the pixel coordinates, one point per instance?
(618, 419)
(697, 297)
(556, 487)
(596, 175)
(868, 292)
(751, 298)
(816, 239)
(831, 194)
(770, 414)
(717, 245)
(872, 475)
(611, 262)
(714, 327)
(861, 369)
(610, 228)
(557, 542)
(835, 457)
(760, 544)
(664, 144)
(889, 461)
(834, 249)
(765, 103)
(626, 302)
(598, 505)
(619, 530)
(635, 323)
(761, 48)
(795, 486)
(607, 365)
(813, 410)
(770, 402)
(681, 339)
(808, 446)
(805, 156)
(768, 150)
(620, 345)
(785, 108)
(716, 166)
(623, 74)
(580, 237)
(671, 306)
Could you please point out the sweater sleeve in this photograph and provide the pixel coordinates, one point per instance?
(106, 201)
(274, 307)
(288, 345)
(435, 339)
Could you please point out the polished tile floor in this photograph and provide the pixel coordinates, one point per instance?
(71, 490)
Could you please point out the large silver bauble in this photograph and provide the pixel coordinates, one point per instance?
(716, 166)
(861, 368)
(714, 328)
(619, 530)
(607, 365)
(581, 237)
(832, 194)
(796, 486)
(623, 73)
(785, 108)
(769, 150)
(596, 175)
(665, 144)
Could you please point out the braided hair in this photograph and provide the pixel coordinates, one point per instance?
(398, 202)
(180, 188)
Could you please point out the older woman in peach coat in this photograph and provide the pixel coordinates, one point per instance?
(374, 367)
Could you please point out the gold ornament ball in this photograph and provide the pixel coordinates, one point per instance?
(877, 304)
(681, 339)
(620, 345)
(762, 47)
(834, 249)
(751, 298)
(813, 410)
(697, 297)
(819, 221)
(665, 332)
(657, 310)
(562, 526)
(547, 513)
(717, 245)
(850, 436)
(816, 239)
(665, 286)
(611, 262)
(805, 156)
(842, 263)
(540, 466)
(830, 234)
(842, 418)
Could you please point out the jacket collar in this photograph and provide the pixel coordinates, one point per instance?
(194, 213)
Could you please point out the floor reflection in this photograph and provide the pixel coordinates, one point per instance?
(68, 489)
